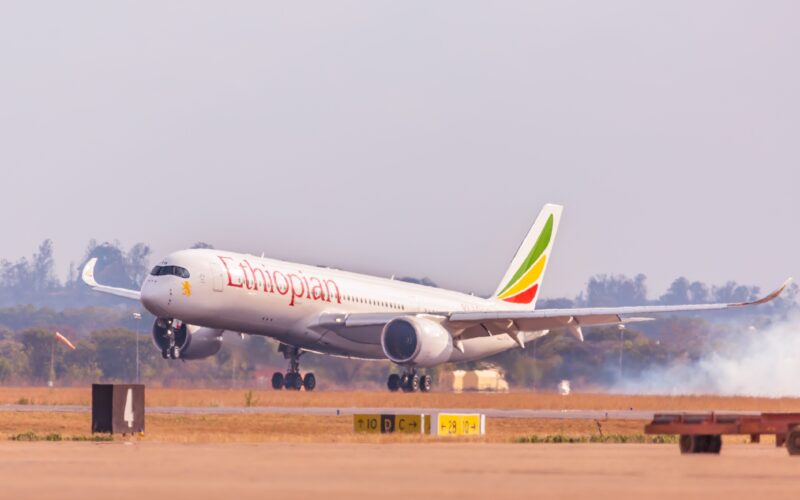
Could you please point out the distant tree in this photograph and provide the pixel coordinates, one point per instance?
(682, 291)
(38, 344)
(41, 273)
(138, 263)
(733, 292)
(115, 353)
(202, 244)
(609, 290)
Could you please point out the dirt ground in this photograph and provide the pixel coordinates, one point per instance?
(247, 456)
(454, 470)
(513, 400)
(294, 428)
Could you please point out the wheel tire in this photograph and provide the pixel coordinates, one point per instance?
(425, 383)
(701, 444)
(695, 443)
(714, 444)
(277, 381)
(296, 382)
(686, 443)
(394, 382)
(165, 353)
(288, 381)
(793, 442)
(414, 384)
(405, 383)
(309, 381)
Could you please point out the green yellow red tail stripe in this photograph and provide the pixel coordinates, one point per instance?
(524, 284)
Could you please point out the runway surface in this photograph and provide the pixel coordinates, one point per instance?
(429, 470)
(331, 411)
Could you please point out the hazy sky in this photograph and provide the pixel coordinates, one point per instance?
(415, 138)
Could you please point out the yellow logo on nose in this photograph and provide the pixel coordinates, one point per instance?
(187, 289)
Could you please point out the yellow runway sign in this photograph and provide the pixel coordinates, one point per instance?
(459, 424)
(387, 424)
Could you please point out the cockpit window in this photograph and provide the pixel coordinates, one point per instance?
(178, 271)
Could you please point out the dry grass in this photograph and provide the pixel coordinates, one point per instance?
(294, 428)
(343, 399)
(321, 429)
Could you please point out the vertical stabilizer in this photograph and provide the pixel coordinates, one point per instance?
(522, 281)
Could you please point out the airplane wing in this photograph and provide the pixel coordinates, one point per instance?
(88, 277)
(515, 321)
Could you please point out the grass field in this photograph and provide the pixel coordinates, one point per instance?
(328, 429)
(334, 399)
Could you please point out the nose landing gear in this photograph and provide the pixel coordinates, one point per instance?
(292, 380)
(171, 350)
(409, 381)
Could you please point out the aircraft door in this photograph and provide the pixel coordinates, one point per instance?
(217, 276)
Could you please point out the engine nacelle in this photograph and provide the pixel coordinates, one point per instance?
(192, 342)
(415, 341)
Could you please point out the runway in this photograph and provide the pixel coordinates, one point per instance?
(458, 471)
(332, 411)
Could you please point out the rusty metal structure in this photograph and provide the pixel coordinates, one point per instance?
(702, 432)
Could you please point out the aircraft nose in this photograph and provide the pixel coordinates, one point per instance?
(153, 300)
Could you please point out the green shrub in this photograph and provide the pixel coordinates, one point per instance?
(609, 438)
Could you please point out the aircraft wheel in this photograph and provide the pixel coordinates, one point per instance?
(165, 353)
(175, 352)
(309, 381)
(405, 383)
(414, 383)
(425, 383)
(277, 381)
(394, 382)
(293, 381)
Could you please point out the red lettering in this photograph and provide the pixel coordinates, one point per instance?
(317, 293)
(230, 276)
(246, 277)
(281, 289)
(297, 284)
(328, 290)
(255, 278)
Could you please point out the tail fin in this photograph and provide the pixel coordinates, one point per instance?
(522, 281)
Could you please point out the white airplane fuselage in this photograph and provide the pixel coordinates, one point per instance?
(285, 301)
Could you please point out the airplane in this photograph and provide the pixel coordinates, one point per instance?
(196, 295)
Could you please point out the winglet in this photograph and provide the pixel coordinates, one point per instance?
(87, 275)
(774, 295)
(88, 272)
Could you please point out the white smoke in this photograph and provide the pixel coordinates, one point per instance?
(759, 363)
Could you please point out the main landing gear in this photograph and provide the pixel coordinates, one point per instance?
(293, 381)
(409, 381)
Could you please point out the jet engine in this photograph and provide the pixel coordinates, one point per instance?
(176, 339)
(416, 341)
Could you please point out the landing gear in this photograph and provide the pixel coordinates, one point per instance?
(292, 380)
(409, 381)
(277, 380)
(169, 343)
(394, 382)
(309, 381)
(425, 383)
